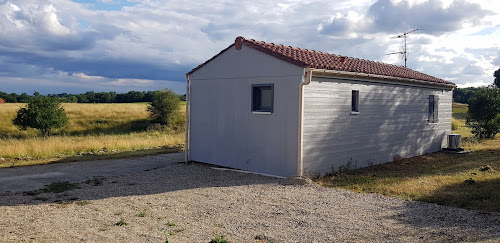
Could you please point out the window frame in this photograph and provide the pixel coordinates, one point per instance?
(433, 112)
(256, 107)
(355, 102)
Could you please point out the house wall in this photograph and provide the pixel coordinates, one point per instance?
(392, 122)
(223, 129)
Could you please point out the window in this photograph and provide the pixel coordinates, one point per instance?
(433, 109)
(262, 98)
(355, 102)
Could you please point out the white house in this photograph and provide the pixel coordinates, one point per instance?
(286, 111)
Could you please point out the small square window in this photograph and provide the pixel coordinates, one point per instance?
(262, 98)
(355, 101)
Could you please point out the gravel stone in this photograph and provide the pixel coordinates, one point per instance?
(195, 203)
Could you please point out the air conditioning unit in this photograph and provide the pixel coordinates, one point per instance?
(454, 141)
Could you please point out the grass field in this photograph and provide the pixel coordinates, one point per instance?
(470, 181)
(94, 131)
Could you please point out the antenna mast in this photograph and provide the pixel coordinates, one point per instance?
(404, 52)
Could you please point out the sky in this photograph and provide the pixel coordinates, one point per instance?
(56, 46)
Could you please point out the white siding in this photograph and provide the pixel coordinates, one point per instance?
(225, 132)
(392, 121)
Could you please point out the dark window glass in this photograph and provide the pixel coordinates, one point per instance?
(262, 97)
(355, 101)
(433, 109)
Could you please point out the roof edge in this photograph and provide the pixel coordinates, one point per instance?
(209, 60)
(382, 77)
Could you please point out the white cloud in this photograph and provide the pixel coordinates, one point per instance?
(161, 40)
(131, 82)
(478, 83)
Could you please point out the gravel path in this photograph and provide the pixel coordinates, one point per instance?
(195, 203)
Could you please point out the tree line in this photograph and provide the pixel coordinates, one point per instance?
(45, 113)
(88, 97)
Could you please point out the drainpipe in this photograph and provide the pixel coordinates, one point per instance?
(188, 121)
(306, 79)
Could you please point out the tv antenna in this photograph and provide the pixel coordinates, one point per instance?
(404, 51)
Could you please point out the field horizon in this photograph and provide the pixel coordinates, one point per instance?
(92, 130)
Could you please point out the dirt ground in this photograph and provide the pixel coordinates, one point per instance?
(193, 202)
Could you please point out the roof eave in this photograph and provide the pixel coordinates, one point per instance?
(381, 77)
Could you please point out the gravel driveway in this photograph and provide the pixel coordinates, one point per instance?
(195, 203)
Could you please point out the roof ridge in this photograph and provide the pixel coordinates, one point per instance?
(323, 60)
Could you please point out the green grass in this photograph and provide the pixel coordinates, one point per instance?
(94, 131)
(437, 178)
(121, 223)
(142, 214)
(219, 239)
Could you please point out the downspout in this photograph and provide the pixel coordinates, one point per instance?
(306, 79)
(188, 121)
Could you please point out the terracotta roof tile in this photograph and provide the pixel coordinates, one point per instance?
(320, 60)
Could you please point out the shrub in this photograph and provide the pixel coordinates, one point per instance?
(218, 239)
(164, 107)
(483, 116)
(42, 113)
(454, 124)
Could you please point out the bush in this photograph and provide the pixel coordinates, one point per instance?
(164, 107)
(483, 116)
(42, 113)
(454, 124)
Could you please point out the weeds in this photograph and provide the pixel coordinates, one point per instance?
(82, 203)
(264, 239)
(60, 186)
(142, 214)
(219, 239)
(121, 223)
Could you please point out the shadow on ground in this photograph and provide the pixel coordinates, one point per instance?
(484, 194)
(172, 177)
(449, 224)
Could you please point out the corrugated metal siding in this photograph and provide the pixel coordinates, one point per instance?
(392, 121)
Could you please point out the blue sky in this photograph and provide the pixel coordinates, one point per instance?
(55, 46)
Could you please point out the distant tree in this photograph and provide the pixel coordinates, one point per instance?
(462, 95)
(496, 82)
(8, 98)
(42, 113)
(164, 106)
(23, 98)
(483, 116)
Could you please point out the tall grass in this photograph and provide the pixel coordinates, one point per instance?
(38, 147)
(450, 179)
(83, 119)
(91, 127)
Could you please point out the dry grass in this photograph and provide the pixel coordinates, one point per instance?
(459, 180)
(91, 127)
(459, 116)
(83, 119)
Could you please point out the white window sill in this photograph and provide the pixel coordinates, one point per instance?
(354, 112)
(262, 112)
(432, 123)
